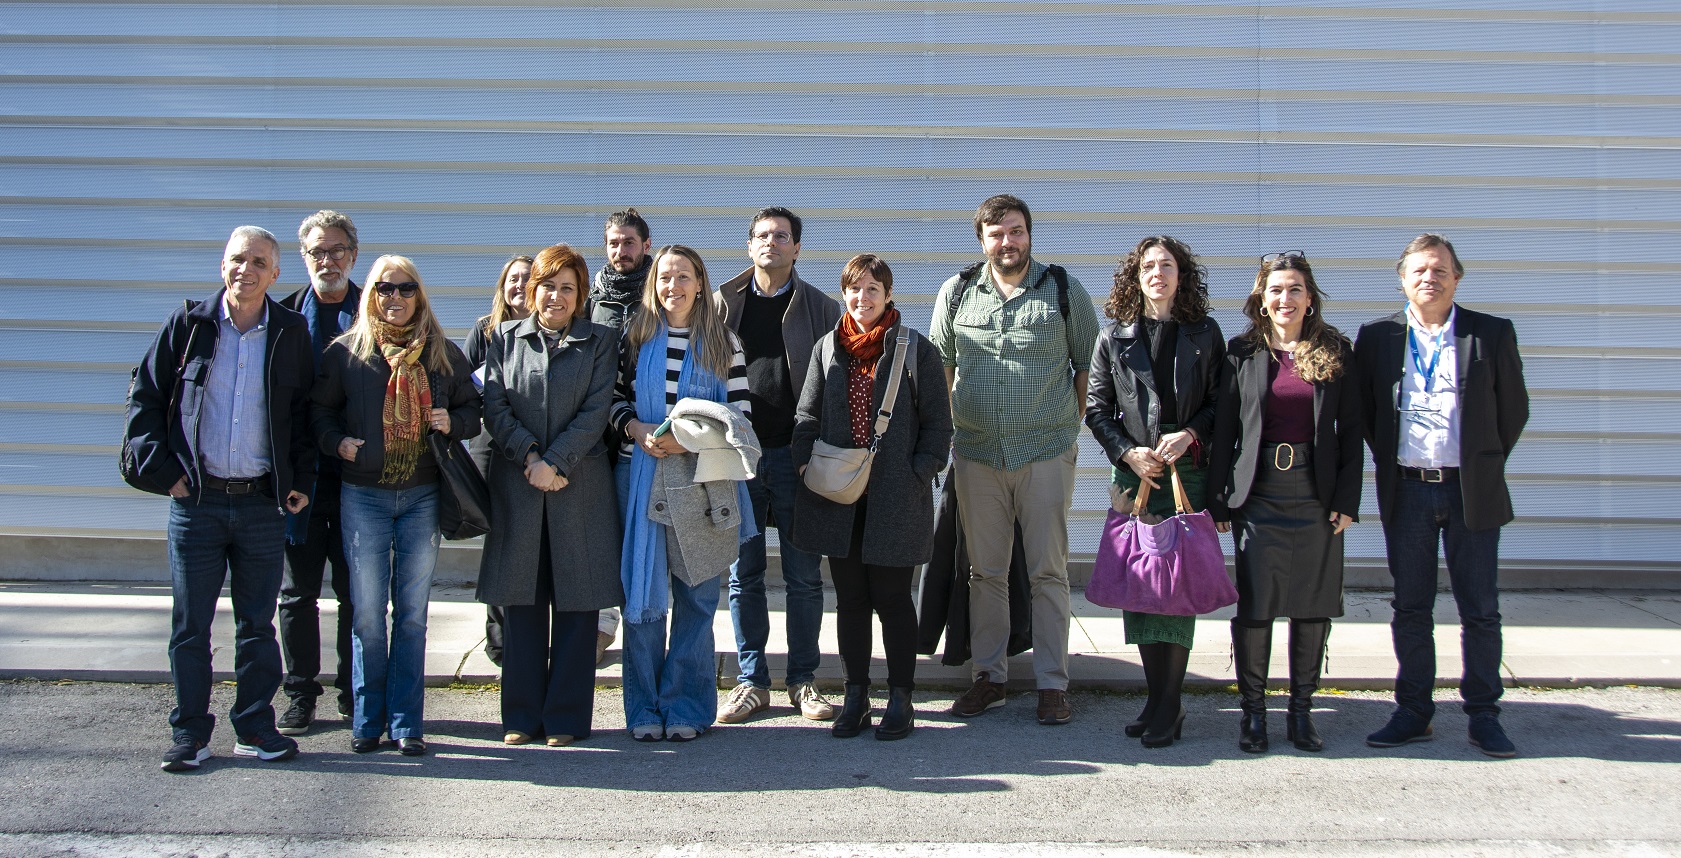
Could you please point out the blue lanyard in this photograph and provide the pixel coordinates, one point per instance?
(1428, 372)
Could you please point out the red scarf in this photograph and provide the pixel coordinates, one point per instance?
(408, 400)
(866, 347)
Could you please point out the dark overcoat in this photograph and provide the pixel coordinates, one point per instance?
(899, 514)
(1493, 407)
(558, 407)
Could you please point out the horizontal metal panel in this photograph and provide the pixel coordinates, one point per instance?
(1538, 166)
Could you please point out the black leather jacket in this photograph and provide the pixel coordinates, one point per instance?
(1122, 408)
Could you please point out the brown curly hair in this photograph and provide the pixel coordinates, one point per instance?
(1319, 351)
(1126, 297)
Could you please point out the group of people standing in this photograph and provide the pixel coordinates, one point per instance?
(642, 429)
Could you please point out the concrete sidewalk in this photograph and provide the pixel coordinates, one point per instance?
(119, 632)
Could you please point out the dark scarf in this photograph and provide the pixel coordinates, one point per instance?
(622, 288)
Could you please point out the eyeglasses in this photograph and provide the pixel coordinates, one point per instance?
(333, 253)
(388, 289)
(777, 236)
(1274, 257)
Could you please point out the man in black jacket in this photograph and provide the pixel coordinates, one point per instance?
(328, 304)
(218, 420)
(1444, 405)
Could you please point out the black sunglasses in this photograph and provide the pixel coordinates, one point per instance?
(1273, 257)
(388, 289)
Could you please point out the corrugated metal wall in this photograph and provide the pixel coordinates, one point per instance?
(1543, 135)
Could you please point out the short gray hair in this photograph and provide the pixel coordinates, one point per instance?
(327, 219)
(257, 232)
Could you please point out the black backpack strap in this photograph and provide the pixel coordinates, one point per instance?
(965, 279)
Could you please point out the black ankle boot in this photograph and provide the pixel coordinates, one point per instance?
(899, 718)
(1251, 652)
(855, 711)
(1307, 654)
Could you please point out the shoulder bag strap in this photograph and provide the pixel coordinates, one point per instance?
(892, 394)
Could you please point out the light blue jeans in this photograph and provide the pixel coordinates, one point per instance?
(391, 541)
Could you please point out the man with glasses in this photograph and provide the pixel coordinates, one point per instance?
(779, 317)
(218, 420)
(1016, 337)
(328, 304)
(1444, 405)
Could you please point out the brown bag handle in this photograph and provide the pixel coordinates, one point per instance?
(1181, 501)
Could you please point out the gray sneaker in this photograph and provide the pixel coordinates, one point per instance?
(805, 697)
(744, 701)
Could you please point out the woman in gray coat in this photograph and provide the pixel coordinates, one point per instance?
(551, 559)
(875, 543)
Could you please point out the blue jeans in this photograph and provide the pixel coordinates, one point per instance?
(1422, 515)
(391, 540)
(772, 492)
(675, 686)
(240, 539)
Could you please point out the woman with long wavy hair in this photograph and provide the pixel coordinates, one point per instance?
(1284, 478)
(1154, 377)
(381, 386)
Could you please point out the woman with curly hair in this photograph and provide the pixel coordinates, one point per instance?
(1154, 377)
(1284, 478)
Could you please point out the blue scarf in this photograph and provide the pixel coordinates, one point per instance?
(642, 567)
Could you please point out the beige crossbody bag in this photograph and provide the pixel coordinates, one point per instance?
(842, 473)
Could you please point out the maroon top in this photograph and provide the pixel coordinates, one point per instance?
(1288, 415)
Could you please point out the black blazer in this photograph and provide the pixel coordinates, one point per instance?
(1337, 430)
(1122, 408)
(1493, 407)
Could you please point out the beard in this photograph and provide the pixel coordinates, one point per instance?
(1012, 269)
(337, 286)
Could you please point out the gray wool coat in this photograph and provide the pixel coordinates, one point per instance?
(899, 513)
(557, 407)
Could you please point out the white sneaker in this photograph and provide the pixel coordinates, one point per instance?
(744, 701)
(805, 697)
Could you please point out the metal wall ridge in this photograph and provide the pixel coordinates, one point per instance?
(789, 129)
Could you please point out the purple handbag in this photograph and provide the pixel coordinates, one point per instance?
(1174, 567)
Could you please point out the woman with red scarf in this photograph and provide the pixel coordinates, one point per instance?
(875, 543)
(381, 386)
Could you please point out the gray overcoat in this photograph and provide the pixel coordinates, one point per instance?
(557, 407)
(899, 513)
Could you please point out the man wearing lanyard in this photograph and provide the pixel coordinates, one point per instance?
(1444, 405)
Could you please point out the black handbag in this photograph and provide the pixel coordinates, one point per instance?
(463, 495)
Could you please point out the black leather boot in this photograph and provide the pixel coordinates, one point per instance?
(854, 716)
(899, 718)
(1149, 655)
(1307, 654)
(1251, 652)
(1168, 721)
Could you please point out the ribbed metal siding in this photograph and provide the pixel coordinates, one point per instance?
(1546, 140)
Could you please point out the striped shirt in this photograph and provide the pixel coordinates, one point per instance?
(676, 347)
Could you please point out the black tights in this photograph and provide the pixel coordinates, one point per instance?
(861, 588)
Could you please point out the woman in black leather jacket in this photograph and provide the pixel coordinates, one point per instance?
(1154, 376)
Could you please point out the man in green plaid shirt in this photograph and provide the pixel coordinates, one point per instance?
(1017, 371)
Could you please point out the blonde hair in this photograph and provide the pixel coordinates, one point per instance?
(706, 325)
(499, 309)
(360, 337)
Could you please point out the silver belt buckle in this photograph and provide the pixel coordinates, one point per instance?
(1287, 465)
(1431, 475)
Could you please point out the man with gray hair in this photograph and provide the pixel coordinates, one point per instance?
(327, 240)
(217, 419)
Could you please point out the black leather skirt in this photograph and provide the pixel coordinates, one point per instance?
(1289, 563)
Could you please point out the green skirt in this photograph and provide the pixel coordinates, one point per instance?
(1162, 628)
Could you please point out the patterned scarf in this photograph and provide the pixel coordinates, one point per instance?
(866, 347)
(610, 285)
(408, 400)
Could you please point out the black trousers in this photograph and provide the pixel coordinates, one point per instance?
(300, 593)
(548, 664)
(861, 588)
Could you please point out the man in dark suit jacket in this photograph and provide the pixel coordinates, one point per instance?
(327, 240)
(1444, 405)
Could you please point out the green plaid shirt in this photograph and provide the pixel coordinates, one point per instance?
(1014, 403)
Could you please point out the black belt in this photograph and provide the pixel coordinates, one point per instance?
(1428, 475)
(1286, 456)
(261, 485)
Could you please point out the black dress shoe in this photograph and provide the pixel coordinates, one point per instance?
(364, 746)
(411, 747)
(1169, 732)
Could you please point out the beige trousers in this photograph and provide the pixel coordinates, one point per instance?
(989, 503)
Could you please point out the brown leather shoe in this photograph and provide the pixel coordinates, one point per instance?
(1053, 707)
(984, 695)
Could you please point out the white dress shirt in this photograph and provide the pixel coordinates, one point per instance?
(1429, 396)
